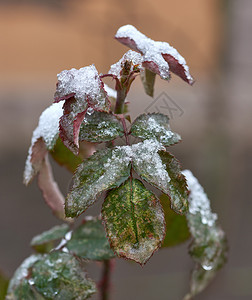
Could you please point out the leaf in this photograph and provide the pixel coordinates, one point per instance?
(89, 241)
(158, 57)
(209, 246)
(44, 138)
(64, 157)
(148, 80)
(19, 287)
(134, 221)
(100, 127)
(162, 170)
(154, 126)
(51, 192)
(176, 225)
(83, 92)
(3, 285)
(178, 191)
(104, 170)
(44, 242)
(56, 275)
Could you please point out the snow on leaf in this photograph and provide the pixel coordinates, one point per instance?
(100, 127)
(134, 221)
(148, 80)
(158, 57)
(104, 170)
(154, 126)
(111, 92)
(177, 190)
(209, 246)
(89, 241)
(51, 276)
(135, 60)
(44, 138)
(83, 92)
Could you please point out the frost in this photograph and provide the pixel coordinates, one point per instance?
(159, 57)
(48, 130)
(136, 63)
(198, 200)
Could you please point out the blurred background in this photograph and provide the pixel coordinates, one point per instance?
(40, 38)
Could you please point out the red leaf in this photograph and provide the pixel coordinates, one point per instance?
(159, 57)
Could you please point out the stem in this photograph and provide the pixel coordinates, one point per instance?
(105, 281)
(121, 95)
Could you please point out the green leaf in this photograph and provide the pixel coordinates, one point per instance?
(162, 170)
(89, 241)
(209, 246)
(3, 285)
(148, 80)
(61, 276)
(178, 191)
(19, 287)
(104, 170)
(176, 225)
(154, 126)
(100, 127)
(56, 276)
(44, 242)
(64, 157)
(134, 221)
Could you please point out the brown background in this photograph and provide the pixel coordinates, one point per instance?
(41, 38)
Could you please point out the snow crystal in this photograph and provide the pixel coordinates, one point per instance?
(83, 82)
(198, 201)
(152, 51)
(131, 56)
(48, 130)
(111, 92)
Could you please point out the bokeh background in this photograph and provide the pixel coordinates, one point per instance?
(40, 38)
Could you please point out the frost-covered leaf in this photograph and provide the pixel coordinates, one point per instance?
(64, 157)
(100, 127)
(19, 287)
(104, 170)
(83, 92)
(44, 138)
(89, 241)
(134, 221)
(3, 285)
(158, 57)
(177, 230)
(154, 126)
(132, 59)
(177, 191)
(209, 245)
(50, 190)
(148, 80)
(48, 237)
(52, 276)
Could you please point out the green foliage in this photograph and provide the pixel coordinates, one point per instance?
(104, 170)
(177, 230)
(137, 220)
(89, 241)
(134, 221)
(56, 275)
(100, 127)
(154, 126)
(3, 285)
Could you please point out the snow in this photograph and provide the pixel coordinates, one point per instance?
(111, 92)
(131, 56)
(152, 51)
(198, 200)
(47, 129)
